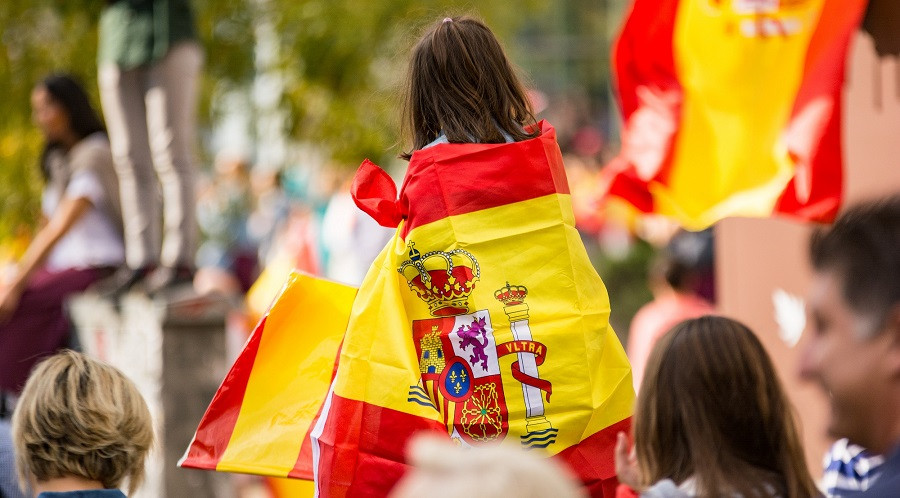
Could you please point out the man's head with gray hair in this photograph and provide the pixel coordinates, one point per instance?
(853, 348)
(862, 249)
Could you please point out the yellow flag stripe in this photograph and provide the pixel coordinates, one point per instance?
(532, 243)
(730, 129)
(290, 376)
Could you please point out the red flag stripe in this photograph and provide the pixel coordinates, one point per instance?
(643, 54)
(819, 158)
(592, 460)
(217, 424)
(647, 57)
(362, 449)
(348, 469)
(515, 173)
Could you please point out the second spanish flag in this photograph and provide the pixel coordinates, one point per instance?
(732, 107)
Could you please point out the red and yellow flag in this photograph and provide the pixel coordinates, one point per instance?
(258, 420)
(732, 108)
(482, 319)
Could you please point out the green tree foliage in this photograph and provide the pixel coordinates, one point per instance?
(40, 37)
(37, 38)
(341, 63)
(346, 61)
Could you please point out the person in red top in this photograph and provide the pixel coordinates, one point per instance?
(674, 280)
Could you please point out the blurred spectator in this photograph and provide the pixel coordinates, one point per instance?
(853, 350)
(351, 238)
(270, 212)
(80, 242)
(80, 430)
(695, 250)
(588, 141)
(674, 277)
(712, 420)
(442, 469)
(149, 67)
(227, 254)
(293, 247)
(585, 190)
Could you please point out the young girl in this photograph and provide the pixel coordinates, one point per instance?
(462, 89)
(483, 318)
(712, 420)
(81, 240)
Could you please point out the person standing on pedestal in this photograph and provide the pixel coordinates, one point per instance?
(149, 64)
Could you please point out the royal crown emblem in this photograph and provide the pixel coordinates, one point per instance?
(443, 279)
(511, 295)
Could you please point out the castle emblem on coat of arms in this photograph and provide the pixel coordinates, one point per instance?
(459, 358)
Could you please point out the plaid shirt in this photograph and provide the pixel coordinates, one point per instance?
(849, 469)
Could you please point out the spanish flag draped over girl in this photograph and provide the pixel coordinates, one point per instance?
(482, 319)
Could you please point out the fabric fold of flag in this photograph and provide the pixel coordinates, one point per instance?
(258, 421)
(732, 108)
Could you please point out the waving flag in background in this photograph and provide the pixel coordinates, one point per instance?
(482, 319)
(732, 108)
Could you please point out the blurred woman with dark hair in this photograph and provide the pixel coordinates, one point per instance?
(713, 420)
(79, 242)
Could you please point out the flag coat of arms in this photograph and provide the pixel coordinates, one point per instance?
(732, 108)
(482, 319)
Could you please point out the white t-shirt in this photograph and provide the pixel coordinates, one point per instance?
(93, 239)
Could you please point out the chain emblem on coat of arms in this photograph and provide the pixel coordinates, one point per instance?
(459, 359)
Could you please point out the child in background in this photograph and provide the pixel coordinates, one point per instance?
(80, 429)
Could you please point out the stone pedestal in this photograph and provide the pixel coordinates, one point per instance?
(175, 351)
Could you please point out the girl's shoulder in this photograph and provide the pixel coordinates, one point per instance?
(441, 139)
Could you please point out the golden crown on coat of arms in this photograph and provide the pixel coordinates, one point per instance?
(443, 279)
(511, 295)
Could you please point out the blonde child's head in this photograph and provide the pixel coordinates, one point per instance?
(81, 417)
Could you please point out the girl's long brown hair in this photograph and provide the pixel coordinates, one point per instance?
(461, 83)
(711, 408)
